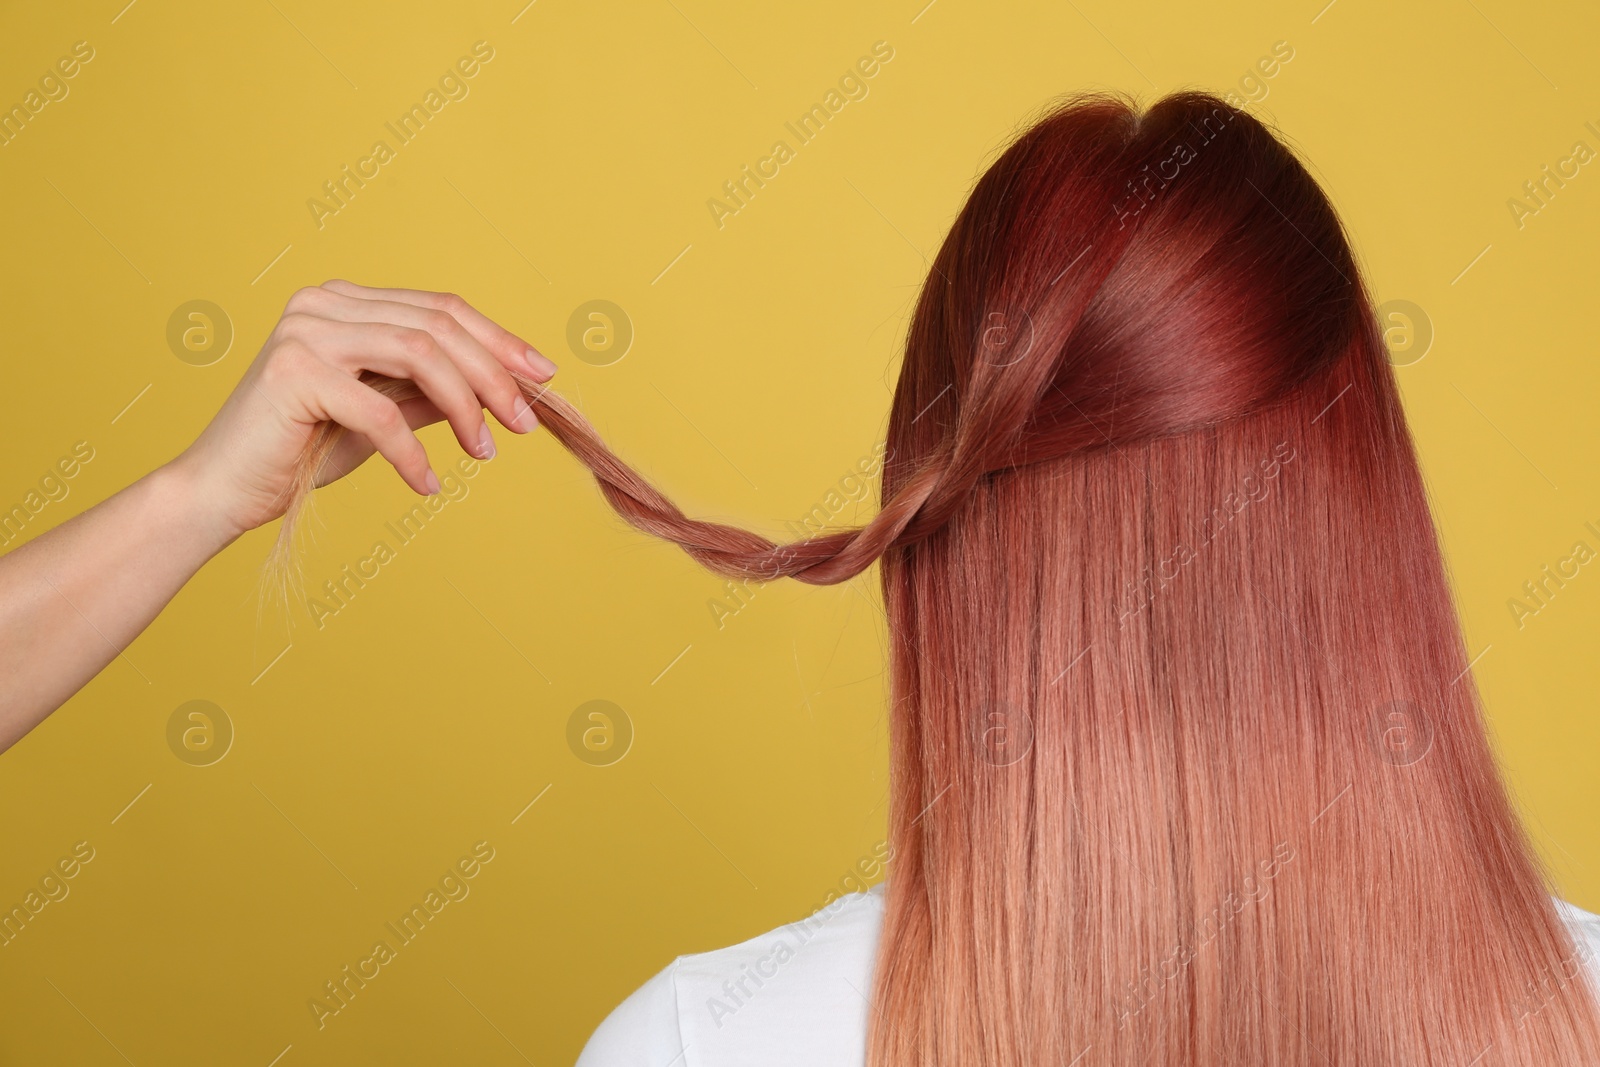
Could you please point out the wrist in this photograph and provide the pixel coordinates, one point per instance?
(184, 495)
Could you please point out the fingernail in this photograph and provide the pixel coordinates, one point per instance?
(485, 444)
(540, 365)
(523, 419)
(431, 484)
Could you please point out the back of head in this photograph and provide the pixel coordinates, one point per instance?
(1188, 766)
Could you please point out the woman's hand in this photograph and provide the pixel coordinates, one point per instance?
(308, 372)
(72, 598)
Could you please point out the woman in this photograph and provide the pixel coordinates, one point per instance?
(1188, 765)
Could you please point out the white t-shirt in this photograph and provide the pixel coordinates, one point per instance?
(795, 996)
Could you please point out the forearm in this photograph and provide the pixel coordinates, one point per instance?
(73, 598)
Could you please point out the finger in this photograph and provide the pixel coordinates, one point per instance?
(402, 352)
(420, 411)
(511, 350)
(487, 375)
(354, 448)
(339, 397)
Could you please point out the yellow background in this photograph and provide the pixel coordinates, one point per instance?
(426, 715)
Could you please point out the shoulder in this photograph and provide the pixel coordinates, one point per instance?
(1585, 930)
(793, 995)
(642, 1030)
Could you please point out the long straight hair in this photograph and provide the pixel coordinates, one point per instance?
(1187, 761)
